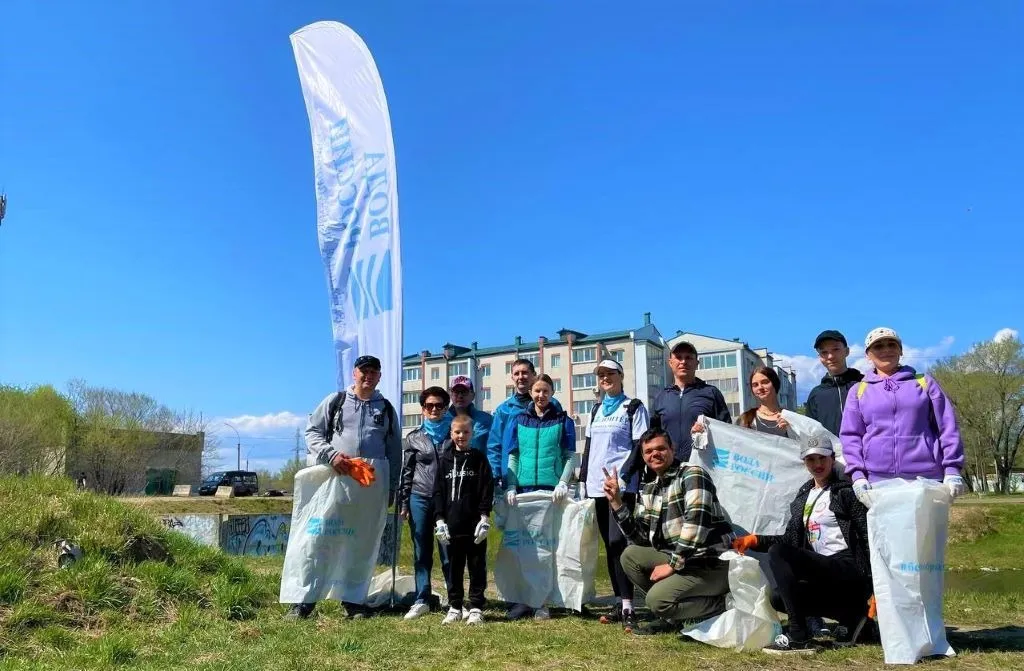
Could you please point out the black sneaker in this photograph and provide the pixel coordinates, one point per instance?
(784, 645)
(356, 611)
(654, 627)
(299, 611)
(614, 616)
(519, 611)
(628, 621)
(845, 637)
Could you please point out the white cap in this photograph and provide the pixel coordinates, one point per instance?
(610, 364)
(881, 333)
(816, 445)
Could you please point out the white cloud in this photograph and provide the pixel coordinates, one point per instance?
(1005, 334)
(271, 426)
(809, 370)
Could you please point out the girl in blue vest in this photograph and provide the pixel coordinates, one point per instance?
(541, 447)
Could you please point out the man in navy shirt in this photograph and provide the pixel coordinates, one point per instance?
(676, 408)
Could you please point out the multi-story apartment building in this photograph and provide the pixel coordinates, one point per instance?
(728, 364)
(569, 357)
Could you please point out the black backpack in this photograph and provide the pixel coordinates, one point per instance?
(631, 407)
(335, 413)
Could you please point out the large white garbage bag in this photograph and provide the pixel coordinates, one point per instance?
(756, 475)
(548, 553)
(749, 622)
(907, 527)
(335, 535)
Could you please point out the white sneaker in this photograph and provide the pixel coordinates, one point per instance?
(454, 615)
(465, 613)
(542, 614)
(476, 616)
(417, 610)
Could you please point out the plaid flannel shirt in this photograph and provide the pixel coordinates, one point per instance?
(693, 518)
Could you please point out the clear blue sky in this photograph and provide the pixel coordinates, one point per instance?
(760, 170)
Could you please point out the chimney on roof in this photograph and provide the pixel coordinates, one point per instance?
(519, 340)
(473, 344)
(647, 319)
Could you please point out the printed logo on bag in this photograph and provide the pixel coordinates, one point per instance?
(525, 538)
(742, 464)
(914, 567)
(329, 528)
(370, 286)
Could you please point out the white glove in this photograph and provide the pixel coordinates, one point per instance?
(561, 491)
(510, 497)
(861, 487)
(955, 484)
(482, 527)
(441, 532)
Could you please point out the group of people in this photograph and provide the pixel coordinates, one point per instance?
(659, 516)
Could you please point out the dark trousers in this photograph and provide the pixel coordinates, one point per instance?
(421, 528)
(809, 584)
(614, 544)
(463, 551)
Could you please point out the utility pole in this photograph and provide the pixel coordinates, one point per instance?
(297, 444)
(238, 445)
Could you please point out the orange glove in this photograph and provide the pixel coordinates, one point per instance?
(872, 608)
(744, 543)
(341, 464)
(362, 472)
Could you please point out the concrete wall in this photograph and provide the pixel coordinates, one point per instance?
(204, 529)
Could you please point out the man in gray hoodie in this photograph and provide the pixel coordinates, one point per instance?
(357, 422)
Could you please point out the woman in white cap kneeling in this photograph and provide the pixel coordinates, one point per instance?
(820, 565)
(613, 446)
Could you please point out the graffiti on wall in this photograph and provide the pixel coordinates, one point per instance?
(255, 535)
(204, 529)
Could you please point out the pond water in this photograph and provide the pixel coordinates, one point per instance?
(987, 582)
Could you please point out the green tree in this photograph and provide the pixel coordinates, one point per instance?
(986, 386)
(36, 427)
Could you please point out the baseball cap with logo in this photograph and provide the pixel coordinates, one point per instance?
(367, 361)
(461, 381)
(816, 445)
(610, 364)
(881, 333)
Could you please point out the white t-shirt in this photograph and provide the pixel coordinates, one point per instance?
(823, 532)
(611, 441)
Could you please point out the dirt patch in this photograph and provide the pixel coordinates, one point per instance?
(968, 524)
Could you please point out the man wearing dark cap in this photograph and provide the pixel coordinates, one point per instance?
(677, 408)
(463, 395)
(826, 402)
(357, 422)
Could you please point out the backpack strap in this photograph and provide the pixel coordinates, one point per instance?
(335, 413)
(389, 410)
(922, 382)
(631, 408)
(861, 388)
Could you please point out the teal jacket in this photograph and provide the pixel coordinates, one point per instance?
(543, 445)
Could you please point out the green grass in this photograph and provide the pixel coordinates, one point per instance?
(193, 606)
(986, 536)
(166, 505)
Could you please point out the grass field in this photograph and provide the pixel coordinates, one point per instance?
(146, 598)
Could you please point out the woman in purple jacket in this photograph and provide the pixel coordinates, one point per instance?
(899, 423)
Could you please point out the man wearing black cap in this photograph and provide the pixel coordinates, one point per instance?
(677, 408)
(357, 422)
(826, 402)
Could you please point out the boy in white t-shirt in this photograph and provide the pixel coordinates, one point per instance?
(613, 445)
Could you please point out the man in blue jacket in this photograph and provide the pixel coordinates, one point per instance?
(523, 377)
(463, 396)
(676, 408)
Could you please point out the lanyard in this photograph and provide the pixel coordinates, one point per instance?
(807, 519)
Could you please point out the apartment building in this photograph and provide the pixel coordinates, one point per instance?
(728, 364)
(569, 357)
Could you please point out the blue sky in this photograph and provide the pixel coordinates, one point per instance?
(760, 170)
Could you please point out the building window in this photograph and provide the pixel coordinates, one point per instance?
(410, 397)
(584, 355)
(734, 410)
(508, 368)
(509, 390)
(727, 385)
(586, 381)
(556, 360)
(532, 358)
(435, 373)
(618, 355)
(410, 374)
(485, 394)
(411, 421)
(557, 384)
(718, 361)
(583, 407)
(485, 370)
(460, 368)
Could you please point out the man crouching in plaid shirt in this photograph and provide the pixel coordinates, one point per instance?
(672, 534)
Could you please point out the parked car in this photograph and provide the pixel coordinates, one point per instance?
(244, 483)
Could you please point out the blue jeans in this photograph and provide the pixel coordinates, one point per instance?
(421, 528)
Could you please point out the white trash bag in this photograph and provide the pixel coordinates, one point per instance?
(548, 553)
(908, 524)
(749, 622)
(335, 535)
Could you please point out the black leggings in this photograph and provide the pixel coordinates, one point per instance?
(810, 584)
(614, 544)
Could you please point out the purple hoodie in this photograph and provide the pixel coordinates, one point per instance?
(896, 429)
